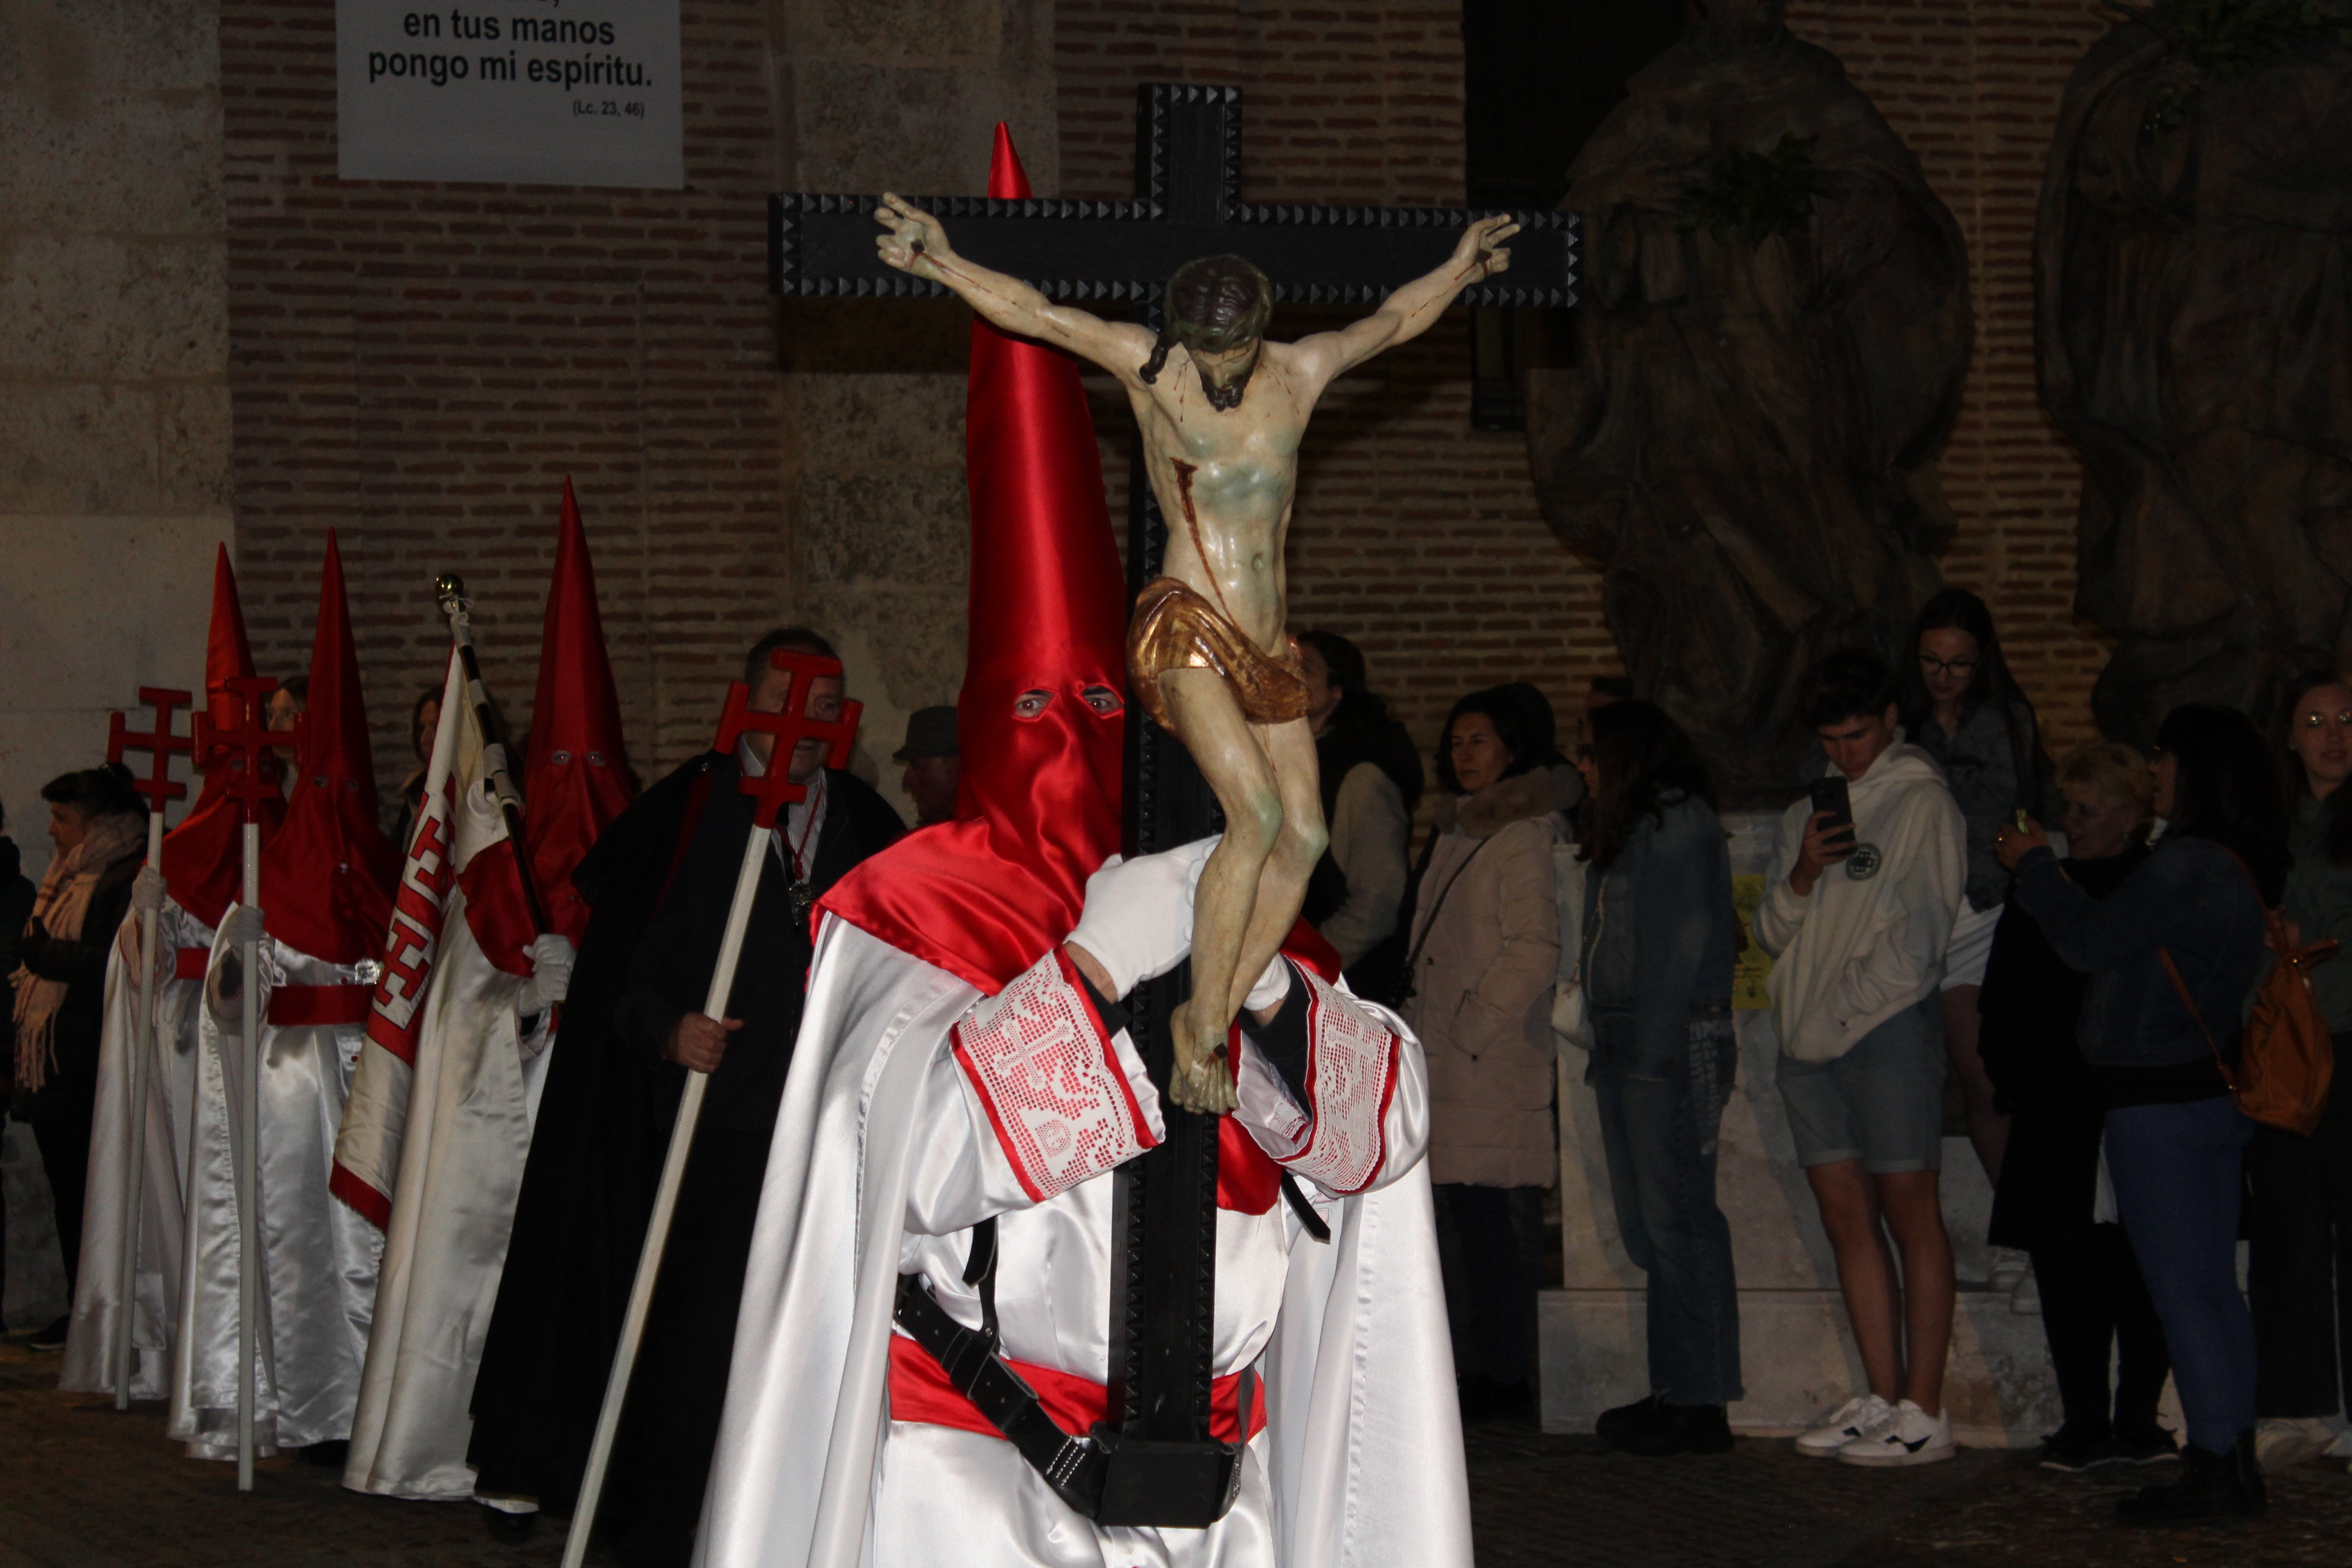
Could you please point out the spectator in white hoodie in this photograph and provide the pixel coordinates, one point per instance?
(1857, 919)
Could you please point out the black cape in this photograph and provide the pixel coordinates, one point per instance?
(658, 882)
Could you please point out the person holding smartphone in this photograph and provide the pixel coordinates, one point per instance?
(1868, 875)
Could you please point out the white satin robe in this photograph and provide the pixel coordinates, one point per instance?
(163, 1163)
(1360, 1464)
(318, 1258)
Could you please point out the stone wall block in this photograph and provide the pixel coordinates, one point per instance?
(193, 448)
(110, 309)
(898, 31)
(894, 420)
(894, 526)
(76, 449)
(66, 52)
(129, 166)
(922, 131)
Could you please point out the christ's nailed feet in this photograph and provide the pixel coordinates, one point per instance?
(1203, 1080)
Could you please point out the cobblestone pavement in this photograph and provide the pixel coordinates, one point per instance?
(83, 1487)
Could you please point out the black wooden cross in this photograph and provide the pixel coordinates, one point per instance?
(1186, 205)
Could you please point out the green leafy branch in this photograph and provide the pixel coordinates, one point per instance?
(1756, 195)
(2226, 41)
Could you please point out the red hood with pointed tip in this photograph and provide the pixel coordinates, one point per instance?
(576, 778)
(984, 896)
(326, 878)
(203, 857)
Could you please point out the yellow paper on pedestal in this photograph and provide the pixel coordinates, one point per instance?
(1754, 964)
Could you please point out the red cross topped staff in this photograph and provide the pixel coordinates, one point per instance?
(159, 743)
(770, 791)
(246, 752)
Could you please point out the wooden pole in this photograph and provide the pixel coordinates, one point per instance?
(247, 1152)
(681, 1142)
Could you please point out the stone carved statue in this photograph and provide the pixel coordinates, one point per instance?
(1769, 356)
(2194, 257)
(1222, 409)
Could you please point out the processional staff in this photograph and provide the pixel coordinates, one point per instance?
(251, 782)
(157, 786)
(771, 790)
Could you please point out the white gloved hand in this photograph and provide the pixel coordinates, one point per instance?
(224, 988)
(1272, 986)
(243, 924)
(551, 974)
(147, 891)
(1137, 922)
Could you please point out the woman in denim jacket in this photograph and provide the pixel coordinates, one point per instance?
(1660, 940)
(2176, 1140)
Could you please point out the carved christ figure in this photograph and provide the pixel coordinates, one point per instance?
(1223, 410)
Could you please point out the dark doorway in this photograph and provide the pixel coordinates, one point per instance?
(1539, 77)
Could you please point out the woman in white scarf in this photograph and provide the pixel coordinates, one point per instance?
(100, 827)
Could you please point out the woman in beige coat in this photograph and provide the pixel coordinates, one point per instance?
(1485, 945)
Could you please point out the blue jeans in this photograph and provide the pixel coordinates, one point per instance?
(2176, 1170)
(1659, 1134)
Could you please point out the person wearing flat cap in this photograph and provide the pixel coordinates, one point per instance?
(929, 754)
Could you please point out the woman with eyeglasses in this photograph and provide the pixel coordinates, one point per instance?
(2173, 954)
(2095, 1305)
(2299, 1190)
(1960, 703)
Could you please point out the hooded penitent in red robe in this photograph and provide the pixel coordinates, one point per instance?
(576, 778)
(201, 857)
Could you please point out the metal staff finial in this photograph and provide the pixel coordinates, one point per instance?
(450, 589)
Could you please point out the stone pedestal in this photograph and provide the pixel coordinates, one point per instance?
(1797, 1355)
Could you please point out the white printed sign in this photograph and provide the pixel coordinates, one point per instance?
(552, 92)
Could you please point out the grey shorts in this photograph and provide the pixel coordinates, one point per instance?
(1881, 1103)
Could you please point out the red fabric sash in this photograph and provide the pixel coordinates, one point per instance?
(190, 963)
(920, 1391)
(309, 1006)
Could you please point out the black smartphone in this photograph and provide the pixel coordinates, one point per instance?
(1829, 794)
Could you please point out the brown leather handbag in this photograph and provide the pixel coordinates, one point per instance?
(2285, 1056)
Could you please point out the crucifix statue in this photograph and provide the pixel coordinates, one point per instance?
(1221, 412)
(1221, 409)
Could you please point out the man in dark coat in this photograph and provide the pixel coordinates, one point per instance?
(660, 882)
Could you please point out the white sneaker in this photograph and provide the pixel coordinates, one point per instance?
(1849, 1421)
(1908, 1436)
(2282, 1442)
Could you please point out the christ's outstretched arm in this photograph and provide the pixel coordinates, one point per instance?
(1410, 310)
(915, 243)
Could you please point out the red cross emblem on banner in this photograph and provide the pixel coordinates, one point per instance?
(159, 744)
(252, 778)
(773, 790)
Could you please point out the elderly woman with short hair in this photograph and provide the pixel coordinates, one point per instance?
(2092, 1294)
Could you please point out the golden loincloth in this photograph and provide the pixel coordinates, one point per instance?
(1176, 628)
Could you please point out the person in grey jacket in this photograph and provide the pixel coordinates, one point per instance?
(2176, 1140)
(1961, 704)
(1660, 938)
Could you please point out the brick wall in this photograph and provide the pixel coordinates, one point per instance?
(1420, 537)
(418, 366)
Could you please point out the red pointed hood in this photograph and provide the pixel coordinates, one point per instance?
(328, 876)
(202, 858)
(576, 778)
(985, 896)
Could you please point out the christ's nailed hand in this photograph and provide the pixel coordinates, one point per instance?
(1480, 254)
(697, 1043)
(913, 241)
